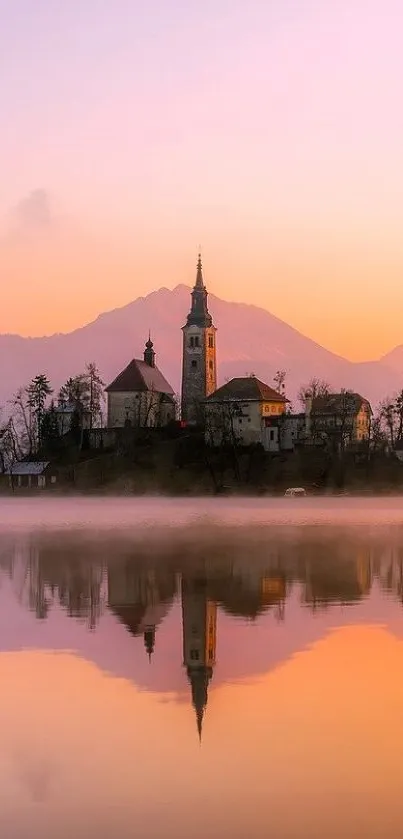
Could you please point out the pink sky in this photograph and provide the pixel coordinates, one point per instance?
(269, 131)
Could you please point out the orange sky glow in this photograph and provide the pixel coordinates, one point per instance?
(270, 133)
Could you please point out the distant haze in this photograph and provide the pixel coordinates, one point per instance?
(249, 340)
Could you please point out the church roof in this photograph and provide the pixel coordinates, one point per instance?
(139, 376)
(247, 388)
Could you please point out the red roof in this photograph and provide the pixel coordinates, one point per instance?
(139, 376)
(247, 388)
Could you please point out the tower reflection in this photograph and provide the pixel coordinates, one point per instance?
(199, 623)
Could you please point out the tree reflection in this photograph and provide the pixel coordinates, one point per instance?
(138, 583)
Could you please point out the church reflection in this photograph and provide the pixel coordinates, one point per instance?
(141, 590)
(140, 599)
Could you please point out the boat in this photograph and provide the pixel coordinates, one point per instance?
(295, 491)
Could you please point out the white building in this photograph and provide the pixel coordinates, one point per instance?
(140, 396)
(247, 412)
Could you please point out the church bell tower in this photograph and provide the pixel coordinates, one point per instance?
(199, 625)
(199, 366)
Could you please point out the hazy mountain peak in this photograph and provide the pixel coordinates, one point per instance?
(249, 339)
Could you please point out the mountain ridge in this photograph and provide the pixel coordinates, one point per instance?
(249, 340)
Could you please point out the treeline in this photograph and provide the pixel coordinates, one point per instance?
(386, 427)
(31, 418)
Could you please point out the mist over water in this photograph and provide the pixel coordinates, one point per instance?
(132, 513)
(201, 667)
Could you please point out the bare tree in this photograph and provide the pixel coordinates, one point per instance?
(95, 392)
(23, 422)
(316, 388)
(144, 410)
(222, 429)
(335, 425)
(388, 419)
(279, 381)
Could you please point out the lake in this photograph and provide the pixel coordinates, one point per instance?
(230, 669)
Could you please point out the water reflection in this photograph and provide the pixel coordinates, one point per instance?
(280, 652)
(198, 587)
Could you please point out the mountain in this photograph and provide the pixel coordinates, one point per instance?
(249, 340)
(394, 360)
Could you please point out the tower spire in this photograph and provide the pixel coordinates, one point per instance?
(149, 640)
(199, 275)
(199, 678)
(149, 352)
(199, 314)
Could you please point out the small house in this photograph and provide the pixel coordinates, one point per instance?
(31, 474)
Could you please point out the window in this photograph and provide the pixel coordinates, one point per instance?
(194, 655)
(240, 420)
(191, 341)
(197, 341)
(210, 364)
(194, 363)
(210, 342)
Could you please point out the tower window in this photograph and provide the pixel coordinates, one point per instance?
(194, 655)
(211, 341)
(191, 341)
(210, 364)
(194, 363)
(196, 341)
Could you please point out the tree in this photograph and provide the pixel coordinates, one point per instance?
(316, 388)
(398, 405)
(388, 419)
(221, 431)
(279, 381)
(22, 422)
(96, 395)
(74, 392)
(335, 427)
(37, 392)
(85, 392)
(50, 435)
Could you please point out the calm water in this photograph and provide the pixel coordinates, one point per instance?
(201, 669)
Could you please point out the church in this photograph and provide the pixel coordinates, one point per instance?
(199, 358)
(140, 396)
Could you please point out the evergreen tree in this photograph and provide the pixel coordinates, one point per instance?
(50, 435)
(38, 391)
(76, 426)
